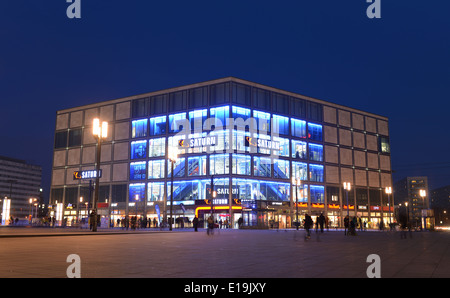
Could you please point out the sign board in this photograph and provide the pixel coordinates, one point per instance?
(262, 143)
(89, 174)
(198, 142)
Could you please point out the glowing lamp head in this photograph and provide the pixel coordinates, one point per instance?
(347, 186)
(100, 130)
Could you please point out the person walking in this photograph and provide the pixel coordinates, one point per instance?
(210, 222)
(321, 220)
(346, 223)
(307, 225)
(195, 223)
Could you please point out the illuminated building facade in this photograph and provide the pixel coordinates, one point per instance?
(244, 140)
(19, 182)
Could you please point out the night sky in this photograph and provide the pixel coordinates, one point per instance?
(397, 66)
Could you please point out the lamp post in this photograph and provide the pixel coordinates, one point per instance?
(422, 194)
(347, 187)
(296, 182)
(388, 191)
(100, 133)
(173, 157)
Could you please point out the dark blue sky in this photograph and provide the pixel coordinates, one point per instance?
(397, 66)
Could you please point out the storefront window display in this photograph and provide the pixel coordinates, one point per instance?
(315, 152)
(314, 132)
(137, 170)
(156, 168)
(315, 173)
(155, 191)
(179, 168)
(298, 128)
(158, 125)
(136, 189)
(241, 164)
(262, 166)
(220, 115)
(300, 170)
(219, 164)
(197, 166)
(281, 168)
(298, 149)
(177, 122)
(139, 128)
(157, 147)
(317, 194)
(138, 149)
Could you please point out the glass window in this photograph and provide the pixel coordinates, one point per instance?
(155, 191)
(220, 115)
(119, 193)
(315, 111)
(262, 121)
(156, 169)
(239, 141)
(298, 107)
(284, 147)
(179, 168)
(139, 128)
(138, 149)
(197, 118)
(136, 189)
(158, 125)
(280, 103)
(262, 167)
(316, 173)
(220, 93)
(223, 141)
(317, 194)
(300, 193)
(158, 104)
(157, 147)
(197, 166)
(274, 191)
(140, 107)
(178, 101)
(298, 128)
(174, 141)
(137, 170)
(298, 149)
(384, 145)
(299, 170)
(314, 132)
(240, 94)
(241, 164)
(198, 146)
(219, 164)
(261, 99)
(61, 139)
(189, 190)
(178, 122)
(315, 152)
(280, 125)
(198, 97)
(281, 169)
(75, 137)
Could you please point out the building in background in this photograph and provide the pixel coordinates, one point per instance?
(440, 203)
(320, 144)
(413, 193)
(19, 182)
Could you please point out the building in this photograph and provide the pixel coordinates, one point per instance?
(19, 182)
(413, 193)
(440, 203)
(244, 140)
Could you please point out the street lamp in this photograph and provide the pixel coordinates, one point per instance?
(422, 194)
(100, 132)
(388, 191)
(347, 187)
(296, 182)
(173, 157)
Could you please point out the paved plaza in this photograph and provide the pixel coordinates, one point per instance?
(43, 252)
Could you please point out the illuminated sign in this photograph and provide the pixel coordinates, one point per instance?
(198, 142)
(262, 143)
(89, 174)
